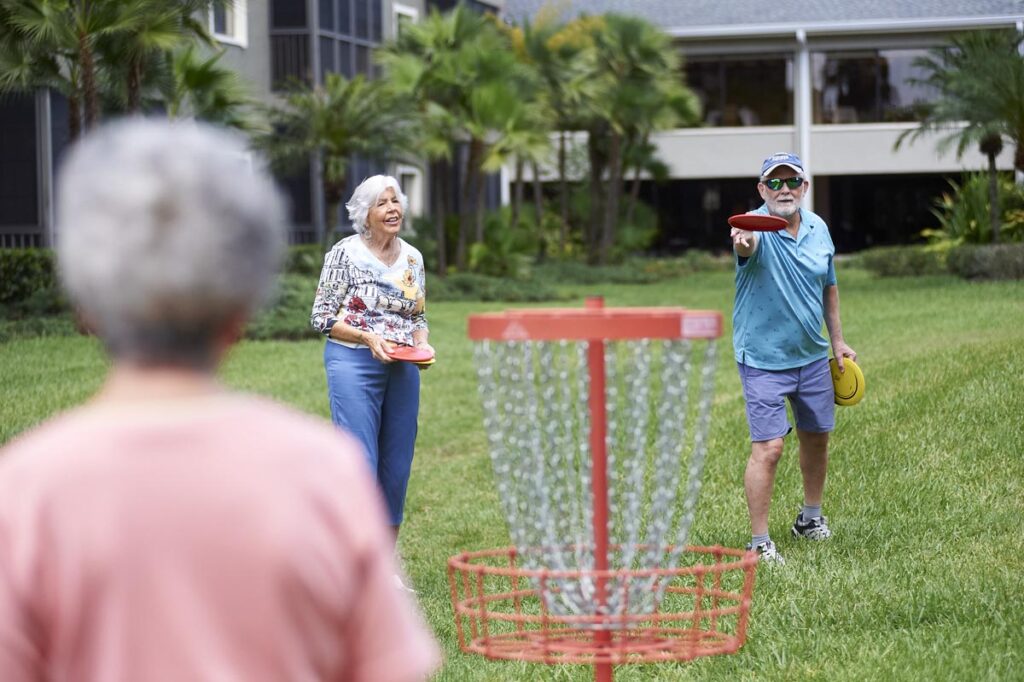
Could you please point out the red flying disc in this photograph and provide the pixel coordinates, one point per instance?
(411, 354)
(757, 222)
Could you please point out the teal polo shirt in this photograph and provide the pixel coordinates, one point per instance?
(778, 312)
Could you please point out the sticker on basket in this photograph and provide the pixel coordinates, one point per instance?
(515, 332)
(700, 326)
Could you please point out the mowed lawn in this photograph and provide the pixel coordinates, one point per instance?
(924, 579)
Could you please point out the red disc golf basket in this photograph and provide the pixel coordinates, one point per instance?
(597, 439)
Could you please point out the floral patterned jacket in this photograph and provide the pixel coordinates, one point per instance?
(358, 289)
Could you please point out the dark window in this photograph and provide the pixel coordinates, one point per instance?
(288, 14)
(377, 21)
(220, 20)
(867, 86)
(743, 91)
(18, 189)
(345, 17)
(363, 60)
(362, 19)
(327, 15)
(328, 62)
(289, 60)
(876, 210)
(345, 61)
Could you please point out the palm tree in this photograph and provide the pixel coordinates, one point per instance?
(335, 122)
(201, 88)
(979, 79)
(638, 86)
(57, 39)
(96, 52)
(469, 89)
(152, 32)
(553, 49)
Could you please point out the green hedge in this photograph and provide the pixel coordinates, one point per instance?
(24, 272)
(903, 261)
(988, 261)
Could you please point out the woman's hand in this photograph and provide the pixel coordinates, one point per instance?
(425, 346)
(378, 346)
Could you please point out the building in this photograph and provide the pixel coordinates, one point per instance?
(270, 43)
(827, 79)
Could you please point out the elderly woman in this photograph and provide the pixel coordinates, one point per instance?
(370, 298)
(167, 530)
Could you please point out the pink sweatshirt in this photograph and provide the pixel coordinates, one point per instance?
(226, 539)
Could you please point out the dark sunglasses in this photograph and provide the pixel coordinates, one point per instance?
(775, 184)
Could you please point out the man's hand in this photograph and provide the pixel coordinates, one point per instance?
(840, 350)
(744, 237)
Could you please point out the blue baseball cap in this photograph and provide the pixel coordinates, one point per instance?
(782, 159)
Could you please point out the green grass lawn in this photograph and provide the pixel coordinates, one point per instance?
(924, 579)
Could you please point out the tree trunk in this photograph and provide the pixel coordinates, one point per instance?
(592, 230)
(612, 196)
(439, 187)
(538, 208)
(479, 205)
(135, 85)
(563, 193)
(517, 193)
(634, 190)
(334, 192)
(993, 197)
(74, 115)
(466, 212)
(89, 91)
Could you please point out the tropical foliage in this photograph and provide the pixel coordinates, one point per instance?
(332, 123)
(118, 56)
(979, 78)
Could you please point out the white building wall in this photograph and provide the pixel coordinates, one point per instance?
(864, 149)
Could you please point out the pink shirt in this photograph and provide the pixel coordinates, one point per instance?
(229, 539)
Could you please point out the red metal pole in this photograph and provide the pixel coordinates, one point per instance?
(599, 478)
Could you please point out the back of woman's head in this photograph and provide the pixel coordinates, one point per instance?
(166, 236)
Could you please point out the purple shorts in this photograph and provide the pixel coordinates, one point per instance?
(810, 393)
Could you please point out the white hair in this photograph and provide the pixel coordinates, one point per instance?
(366, 195)
(166, 234)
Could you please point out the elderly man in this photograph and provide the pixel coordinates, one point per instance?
(785, 289)
(172, 529)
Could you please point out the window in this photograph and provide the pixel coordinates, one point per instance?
(228, 23)
(744, 91)
(403, 17)
(867, 86)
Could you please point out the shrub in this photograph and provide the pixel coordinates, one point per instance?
(287, 316)
(468, 286)
(988, 261)
(30, 327)
(23, 272)
(963, 213)
(304, 259)
(904, 261)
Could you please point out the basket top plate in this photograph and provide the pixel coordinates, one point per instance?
(581, 324)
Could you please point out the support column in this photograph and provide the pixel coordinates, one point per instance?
(803, 115)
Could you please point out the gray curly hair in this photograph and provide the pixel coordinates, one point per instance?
(366, 195)
(166, 235)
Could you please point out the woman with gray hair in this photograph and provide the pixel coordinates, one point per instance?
(166, 530)
(370, 298)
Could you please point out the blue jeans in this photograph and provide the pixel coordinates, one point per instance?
(379, 404)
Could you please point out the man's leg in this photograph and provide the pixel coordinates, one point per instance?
(759, 480)
(813, 465)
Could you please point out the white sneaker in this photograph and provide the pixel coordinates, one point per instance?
(768, 553)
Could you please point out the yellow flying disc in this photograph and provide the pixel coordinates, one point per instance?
(849, 385)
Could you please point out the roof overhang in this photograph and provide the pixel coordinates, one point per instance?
(846, 27)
